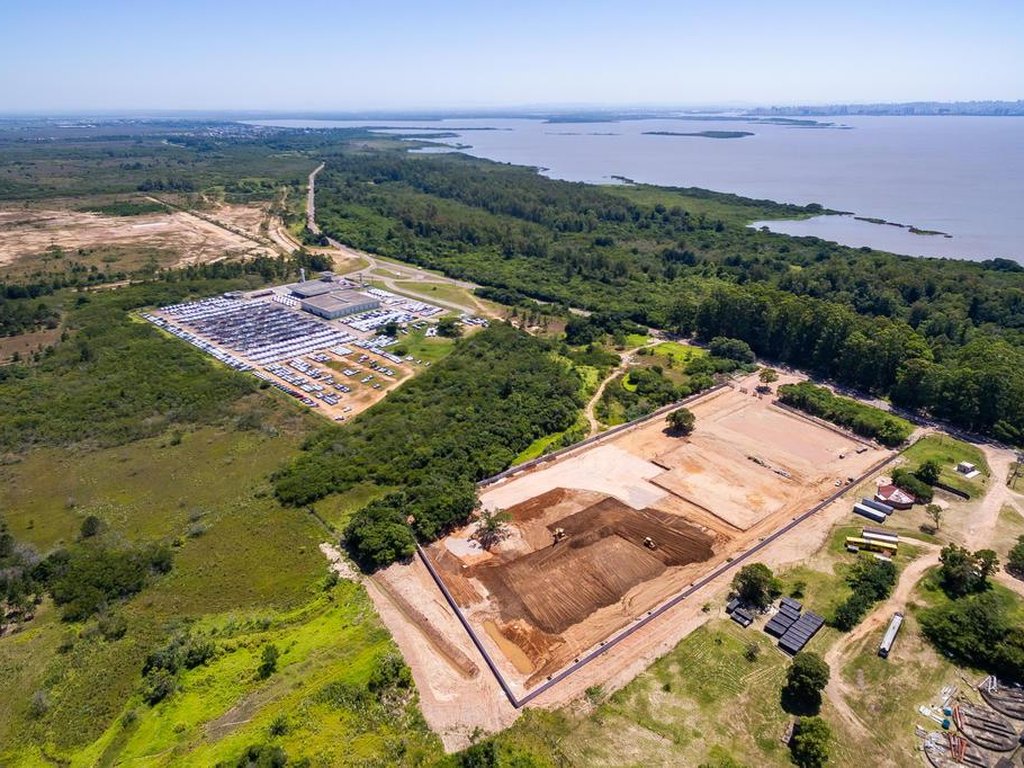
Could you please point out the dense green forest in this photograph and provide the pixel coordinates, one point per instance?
(457, 423)
(946, 337)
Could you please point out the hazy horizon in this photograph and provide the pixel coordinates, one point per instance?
(66, 57)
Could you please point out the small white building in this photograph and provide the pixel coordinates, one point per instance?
(967, 469)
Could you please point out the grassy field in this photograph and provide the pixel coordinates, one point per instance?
(887, 692)
(949, 452)
(702, 695)
(680, 354)
(635, 340)
(447, 292)
(426, 349)
(246, 572)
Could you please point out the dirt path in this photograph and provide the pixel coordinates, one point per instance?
(839, 689)
(985, 517)
(625, 358)
(311, 201)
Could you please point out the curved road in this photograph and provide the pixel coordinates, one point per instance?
(377, 267)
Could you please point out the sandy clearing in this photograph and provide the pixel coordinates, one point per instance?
(26, 234)
(607, 469)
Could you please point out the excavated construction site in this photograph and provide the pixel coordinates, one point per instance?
(603, 535)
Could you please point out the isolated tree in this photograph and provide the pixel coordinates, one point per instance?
(987, 563)
(956, 572)
(809, 746)
(268, 661)
(768, 376)
(929, 472)
(807, 677)
(934, 511)
(682, 421)
(492, 527)
(390, 329)
(962, 571)
(449, 327)
(756, 585)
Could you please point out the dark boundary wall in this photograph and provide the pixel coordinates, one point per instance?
(651, 615)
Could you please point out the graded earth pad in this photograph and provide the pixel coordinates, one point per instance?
(601, 558)
(605, 534)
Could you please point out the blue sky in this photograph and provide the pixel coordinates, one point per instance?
(320, 55)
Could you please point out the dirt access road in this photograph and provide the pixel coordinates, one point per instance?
(984, 518)
(625, 359)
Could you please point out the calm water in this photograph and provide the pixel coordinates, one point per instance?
(959, 175)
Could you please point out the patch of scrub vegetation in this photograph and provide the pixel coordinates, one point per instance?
(127, 208)
(657, 379)
(947, 452)
(177, 667)
(234, 549)
(681, 354)
(333, 689)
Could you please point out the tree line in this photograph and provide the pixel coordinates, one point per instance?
(939, 336)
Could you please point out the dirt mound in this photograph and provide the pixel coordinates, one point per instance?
(462, 590)
(533, 508)
(602, 558)
(676, 541)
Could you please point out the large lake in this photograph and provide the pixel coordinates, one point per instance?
(963, 176)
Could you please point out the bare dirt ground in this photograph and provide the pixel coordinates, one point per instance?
(25, 234)
(25, 344)
(453, 703)
(747, 469)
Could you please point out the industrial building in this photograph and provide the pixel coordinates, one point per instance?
(311, 288)
(333, 303)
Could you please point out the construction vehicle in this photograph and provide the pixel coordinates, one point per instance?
(559, 534)
(649, 543)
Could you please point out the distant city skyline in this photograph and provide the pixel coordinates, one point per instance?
(340, 56)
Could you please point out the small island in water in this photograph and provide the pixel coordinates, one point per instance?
(703, 134)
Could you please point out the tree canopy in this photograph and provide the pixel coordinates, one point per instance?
(756, 585)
